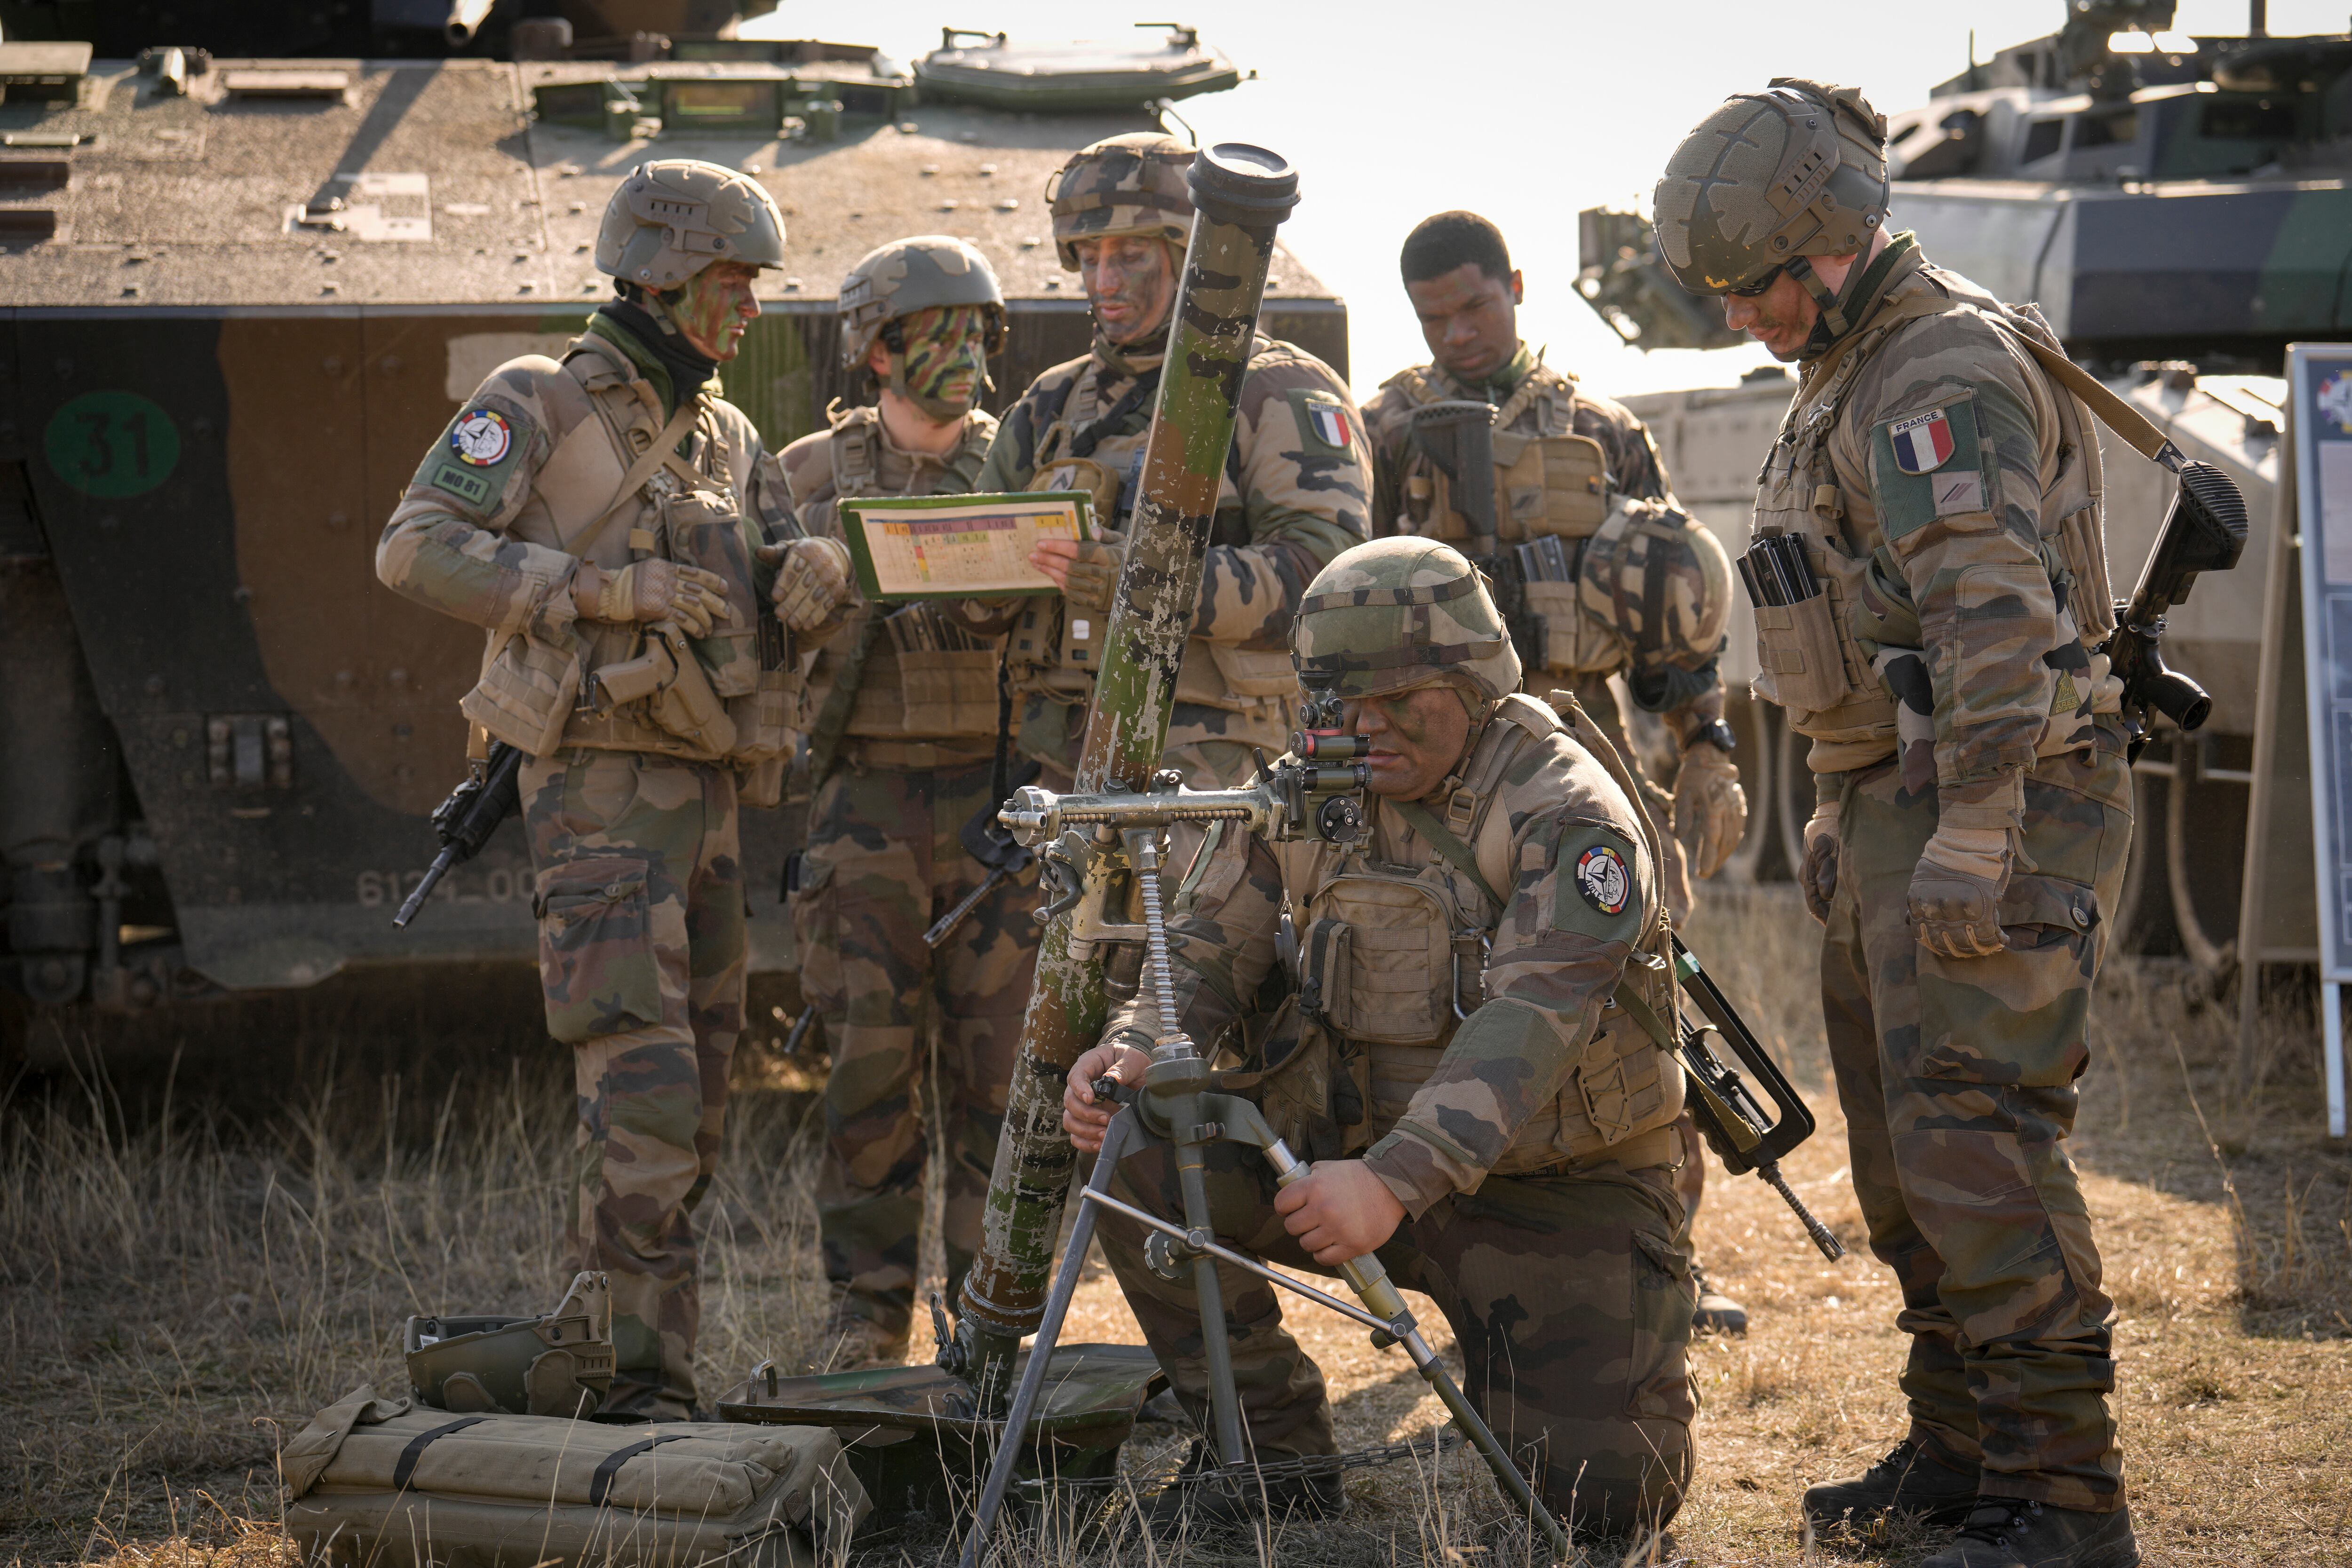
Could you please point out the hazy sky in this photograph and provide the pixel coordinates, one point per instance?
(1525, 112)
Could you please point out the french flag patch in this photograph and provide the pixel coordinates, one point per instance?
(1330, 423)
(1922, 443)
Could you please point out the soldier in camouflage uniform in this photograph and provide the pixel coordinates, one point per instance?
(1974, 801)
(1450, 1052)
(1650, 589)
(1296, 490)
(606, 519)
(902, 754)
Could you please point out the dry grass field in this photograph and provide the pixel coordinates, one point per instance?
(196, 1256)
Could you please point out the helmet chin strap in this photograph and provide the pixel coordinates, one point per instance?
(1832, 323)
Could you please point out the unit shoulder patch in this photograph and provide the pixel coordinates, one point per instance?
(1597, 895)
(1928, 465)
(1323, 421)
(481, 437)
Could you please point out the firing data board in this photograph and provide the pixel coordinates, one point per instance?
(2319, 380)
(954, 547)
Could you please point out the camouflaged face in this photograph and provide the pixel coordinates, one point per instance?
(907, 276)
(1396, 612)
(674, 216)
(1132, 184)
(1663, 580)
(1799, 169)
(1959, 1080)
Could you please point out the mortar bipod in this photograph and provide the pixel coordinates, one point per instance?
(1178, 1104)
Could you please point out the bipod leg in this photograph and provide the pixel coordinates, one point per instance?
(1369, 1277)
(1209, 1296)
(1009, 1442)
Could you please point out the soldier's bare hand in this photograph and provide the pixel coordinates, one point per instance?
(1084, 1117)
(1955, 895)
(665, 591)
(1053, 557)
(812, 580)
(1339, 1211)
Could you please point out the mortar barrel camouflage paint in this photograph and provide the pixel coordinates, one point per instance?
(1241, 195)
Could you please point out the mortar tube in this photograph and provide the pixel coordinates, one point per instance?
(1241, 195)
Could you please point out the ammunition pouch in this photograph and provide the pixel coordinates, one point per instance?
(1312, 1084)
(526, 693)
(1100, 483)
(1053, 652)
(1556, 485)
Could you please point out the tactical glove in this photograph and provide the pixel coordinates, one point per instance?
(664, 591)
(812, 580)
(1094, 576)
(1710, 810)
(1817, 876)
(1956, 892)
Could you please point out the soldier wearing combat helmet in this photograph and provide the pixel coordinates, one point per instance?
(1296, 490)
(605, 518)
(1974, 804)
(1646, 589)
(902, 754)
(1447, 1054)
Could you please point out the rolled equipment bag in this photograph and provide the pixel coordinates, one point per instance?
(376, 1483)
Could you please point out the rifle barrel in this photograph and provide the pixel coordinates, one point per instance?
(439, 869)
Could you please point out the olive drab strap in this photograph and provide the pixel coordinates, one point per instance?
(664, 450)
(2137, 430)
(1442, 839)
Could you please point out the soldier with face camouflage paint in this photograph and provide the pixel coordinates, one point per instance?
(605, 518)
(902, 756)
(1974, 802)
(1449, 1053)
(1295, 491)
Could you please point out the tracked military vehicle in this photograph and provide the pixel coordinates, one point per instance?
(242, 295)
(2179, 208)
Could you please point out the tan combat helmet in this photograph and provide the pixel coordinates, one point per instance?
(910, 275)
(1132, 184)
(1661, 580)
(1768, 179)
(1401, 612)
(673, 217)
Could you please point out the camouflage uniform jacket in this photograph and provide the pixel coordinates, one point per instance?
(1296, 492)
(526, 483)
(1948, 491)
(1544, 1073)
(858, 684)
(1535, 400)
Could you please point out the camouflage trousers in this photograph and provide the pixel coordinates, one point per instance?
(641, 943)
(1958, 1079)
(906, 1024)
(1569, 1295)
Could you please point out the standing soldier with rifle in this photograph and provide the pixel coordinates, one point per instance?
(902, 758)
(1297, 488)
(1930, 566)
(606, 517)
(1459, 1051)
(1598, 573)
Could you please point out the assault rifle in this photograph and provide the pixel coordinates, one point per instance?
(486, 796)
(2204, 531)
(1458, 437)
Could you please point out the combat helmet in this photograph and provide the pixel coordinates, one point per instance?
(1660, 581)
(910, 275)
(1130, 184)
(1399, 612)
(674, 216)
(1769, 178)
(558, 1365)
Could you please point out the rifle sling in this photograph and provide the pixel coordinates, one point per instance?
(832, 719)
(2137, 430)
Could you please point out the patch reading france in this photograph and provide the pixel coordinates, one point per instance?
(1329, 422)
(1922, 442)
(1601, 877)
(481, 436)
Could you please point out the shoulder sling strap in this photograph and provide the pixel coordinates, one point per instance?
(652, 458)
(1442, 839)
(2137, 430)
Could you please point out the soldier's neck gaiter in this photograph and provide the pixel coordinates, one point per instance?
(686, 367)
(1131, 360)
(944, 367)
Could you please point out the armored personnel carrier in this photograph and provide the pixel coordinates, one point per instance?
(2178, 206)
(243, 293)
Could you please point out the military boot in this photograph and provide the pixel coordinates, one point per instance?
(1909, 1480)
(1715, 1312)
(1234, 1502)
(2012, 1533)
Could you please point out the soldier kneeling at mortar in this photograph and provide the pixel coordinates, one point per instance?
(1482, 1116)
